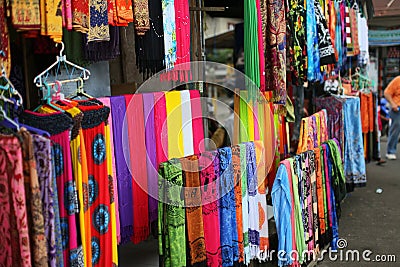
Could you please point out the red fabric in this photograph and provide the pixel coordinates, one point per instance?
(137, 141)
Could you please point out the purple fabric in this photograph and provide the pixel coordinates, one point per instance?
(152, 174)
(124, 177)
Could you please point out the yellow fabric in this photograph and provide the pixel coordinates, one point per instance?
(250, 120)
(174, 124)
(318, 122)
(25, 14)
(114, 241)
(51, 19)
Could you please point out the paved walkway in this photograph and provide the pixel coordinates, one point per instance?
(371, 221)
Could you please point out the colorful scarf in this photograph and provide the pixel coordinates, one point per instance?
(262, 196)
(251, 53)
(298, 204)
(209, 193)
(161, 127)
(25, 15)
(141, 16)
(237, 175)
(326, 51)
(34, 202)
(151, 151)
(197, 122)
(58, 125)
(354, 163)
(182, 20)
(252, 183)
(57, 220)
(107, 102)
(171, 215)
(118, 110)
(187, 127)
(98, 26)
(297, 48)
(174, 124)
(51, 19)
(313, 57)
(93, 128)
(112, 188)
(150, 47)
(42, 152)
(227, 209)
(137, 142)
(80, 15)
(282, 204)
(67, 14)
(124, 13)
(170, 45)
(275, 69)
(14, 227)
(245, 203)
(193, 204)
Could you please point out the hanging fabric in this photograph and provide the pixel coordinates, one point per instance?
(51, 19)
(103, 50)
(137, 143)
(326, 51)
(150, 46)
(169, 27)
(33, 202)
(141, 16)
(171, 217)
(118, 111)
(313, 63)
(193, 204)
(98, 26)
(209, 190)
(14, 226)
(227, 209)
(42, 153)
(25, 15)
(80, 15)
(275, 70)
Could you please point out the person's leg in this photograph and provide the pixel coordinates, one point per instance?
(394, 132)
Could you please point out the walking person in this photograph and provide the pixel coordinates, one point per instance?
(392, 95)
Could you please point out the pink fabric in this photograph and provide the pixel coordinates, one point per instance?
(256, 122)
(106, 102)
(197, 122)
(261, 48)
(63, 180)
(67, 14)
(181, 70)
(160, 124)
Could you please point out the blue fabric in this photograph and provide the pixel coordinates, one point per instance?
(394, 132)
(335, 228)
(354, 163)
(227, 209)
(282, 205)
(313, 63)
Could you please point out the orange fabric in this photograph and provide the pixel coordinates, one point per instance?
(320, 192)
(237, 175)
(393, 89)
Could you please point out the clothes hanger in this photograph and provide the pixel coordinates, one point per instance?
(9, 87)
(79, 91)
(61, 59)
(7, 121)
(47, 99)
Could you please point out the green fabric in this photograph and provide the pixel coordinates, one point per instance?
(243, 118)
(74, 47)
(171, 215)
(251, 51)
(290, 116)
(339, 182)
(299, 227)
